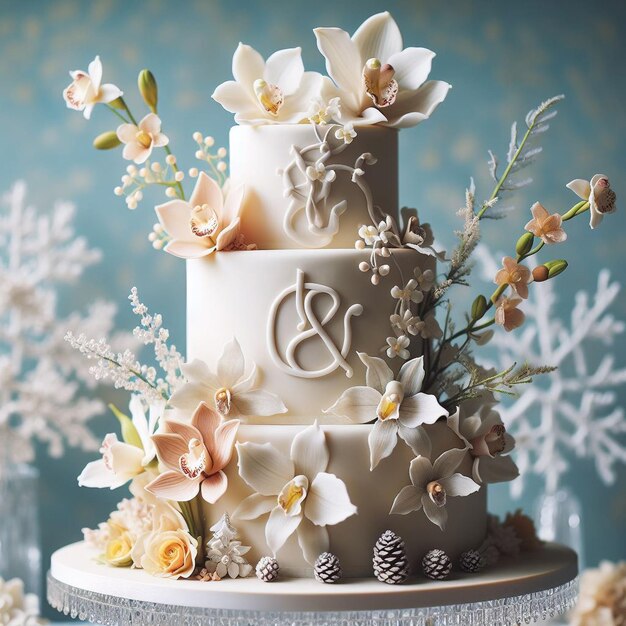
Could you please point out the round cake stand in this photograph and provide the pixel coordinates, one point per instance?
(536, 585)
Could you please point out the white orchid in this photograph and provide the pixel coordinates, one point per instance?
(274, 91)
(296, 491)
(141, 138)
(599, 194)
(86, 89)
(398, 406)
(123, 461)
(481, 427)
(432, 484)
(231, 391)
(377, 80)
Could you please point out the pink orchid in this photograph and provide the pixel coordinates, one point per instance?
(207, 222)
(195, 455)
(139, 139)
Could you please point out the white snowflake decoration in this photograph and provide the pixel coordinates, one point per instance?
(40, 377)
(572, 412)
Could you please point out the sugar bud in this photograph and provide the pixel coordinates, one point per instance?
(118, 103)
(479, 307)
(148, 89)
(556, 267)
(524, 244)
(106, 141)
(540, 273)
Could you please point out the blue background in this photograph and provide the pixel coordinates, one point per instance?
(501, 58)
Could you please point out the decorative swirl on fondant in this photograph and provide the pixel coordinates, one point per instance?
(309, 327)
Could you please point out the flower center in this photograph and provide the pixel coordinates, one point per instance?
(105, 451)
(204, 221)
(436, 493)
(495, 439)
(269, 96)
(380, 83)
(292, 495)
(194, 462)
(223, 401)
(143, 139)
(388, 407)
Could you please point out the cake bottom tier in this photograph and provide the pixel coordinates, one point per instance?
(371, 492)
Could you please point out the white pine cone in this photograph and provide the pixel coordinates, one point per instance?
(267, 569)
(436, 565)
(327, 568)
(390, 562)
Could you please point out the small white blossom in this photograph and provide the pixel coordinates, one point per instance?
(346, 133)
(406, 323)
(397, 346)
(425, 279)
(321, 112)
(320, 173)
(409, 293)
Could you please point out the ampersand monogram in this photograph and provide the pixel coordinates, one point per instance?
(309, 328)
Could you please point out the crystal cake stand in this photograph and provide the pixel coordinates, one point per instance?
(537, 585)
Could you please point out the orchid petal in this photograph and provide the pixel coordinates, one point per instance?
(264, 468)
(498, 469)
(382, 440)
(258, 403)
(309, 452)
(295, 107)
(233, 96)
(233, 203)
(378, 37)
(328, 502)
(358, 404)
(436, 514)
(279, 528)
(422, 408)
(285, 69)
(190, 395)
(206, 191)
(207, 421)
(416, 438)
(222, 450)
(109, 92)
(407, 500)
(411, 376)
(580, 187)
(94, 69)
(98, 476)
(230, 367)
(214, 486)
(126, 459)
(126, 132)
(175, 217)
(420, 472)
(448, 462)
(313, 540)
(248, 65)
(254, 506)
(247, 383)
(458, 485)
(411, 66)
(172, 485)
(412, 107)
(182, 429)
(135, 152)
(343, 62)
(228, 235)
(151, 123)
(378, 374)
(198, 371)
(169, 449)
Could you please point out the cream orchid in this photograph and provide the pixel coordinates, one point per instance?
(295, 490)
(546, 226)
(515, 275)
(86, 89)
(598, 193)
(122, 461)
(265, 92)
(195, 456)
(481, 427)
(231, 391)
(377, 80)
(204, 224)
(508, 315)
(140, 139)
(432, 484)
(397, 405)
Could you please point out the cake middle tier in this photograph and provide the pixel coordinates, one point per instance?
(307, 189)
(300, 315)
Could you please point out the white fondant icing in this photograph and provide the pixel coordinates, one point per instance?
(232, 294)
(258, 153)
(310, 327)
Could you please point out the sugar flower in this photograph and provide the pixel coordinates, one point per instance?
(322, 112)
(432, 484)
(272, 91)
(86, 89)
(546, 226)
(204, 224)
(406, 323)
(195, 455)
(424, 278)
(16, 607)
(140, 139)
(398, 347)
(481, 428)
(398, 407)
(508, 315)
(419, 237)
(515, 275)
(296, 490)
(123, 461)
(377, 80)
(230, 390)
(170, 554)
(599, 194)
(410, 293)
(346, 133)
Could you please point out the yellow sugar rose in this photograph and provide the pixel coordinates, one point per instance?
(170, 554)
(118, 551)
